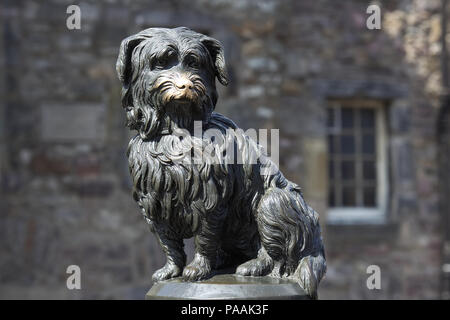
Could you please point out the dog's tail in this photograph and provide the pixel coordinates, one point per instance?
(309, 272)
(290, 233)
(312, 265)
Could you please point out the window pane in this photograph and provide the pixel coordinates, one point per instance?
(369, 170)
(330, 117)
(348, 170)
(368, 142)
(347, 116)
(347, 144)
(331, 144)
(369, 197)
(367, 118)
(331, 197)
(331, 169)
(348, 197)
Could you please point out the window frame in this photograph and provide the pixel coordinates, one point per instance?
(366, 215)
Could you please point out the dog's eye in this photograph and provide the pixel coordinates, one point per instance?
(160, 63)
(192, 62)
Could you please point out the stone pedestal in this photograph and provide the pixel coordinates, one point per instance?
(229, 287)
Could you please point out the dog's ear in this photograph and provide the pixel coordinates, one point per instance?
(217, 54)
(123, 64)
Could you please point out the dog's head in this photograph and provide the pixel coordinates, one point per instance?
(168, 79)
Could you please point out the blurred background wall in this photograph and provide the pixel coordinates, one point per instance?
(363, 129)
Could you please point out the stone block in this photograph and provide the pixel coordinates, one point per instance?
(72, 123)
(400, 116)
(402, 158)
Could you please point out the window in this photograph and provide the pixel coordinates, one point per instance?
(357, 169)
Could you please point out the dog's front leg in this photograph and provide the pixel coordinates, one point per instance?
(206, 245)
(176, 257)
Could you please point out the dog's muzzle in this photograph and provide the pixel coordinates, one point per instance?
(183, 84)
(179, 89)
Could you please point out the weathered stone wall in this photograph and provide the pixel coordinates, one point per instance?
(444, 155)
(65, 196)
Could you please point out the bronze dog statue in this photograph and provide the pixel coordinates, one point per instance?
(238, 215)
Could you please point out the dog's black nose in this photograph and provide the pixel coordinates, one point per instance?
(183, 83)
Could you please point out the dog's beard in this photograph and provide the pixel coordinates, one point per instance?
(177, 109)
(182, 114)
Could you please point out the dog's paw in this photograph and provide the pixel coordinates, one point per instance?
(169, 271)
(255, 267)
(198, 269)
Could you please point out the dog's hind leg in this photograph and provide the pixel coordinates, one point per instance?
(280, 230)
(290, 234)
(260, 266)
